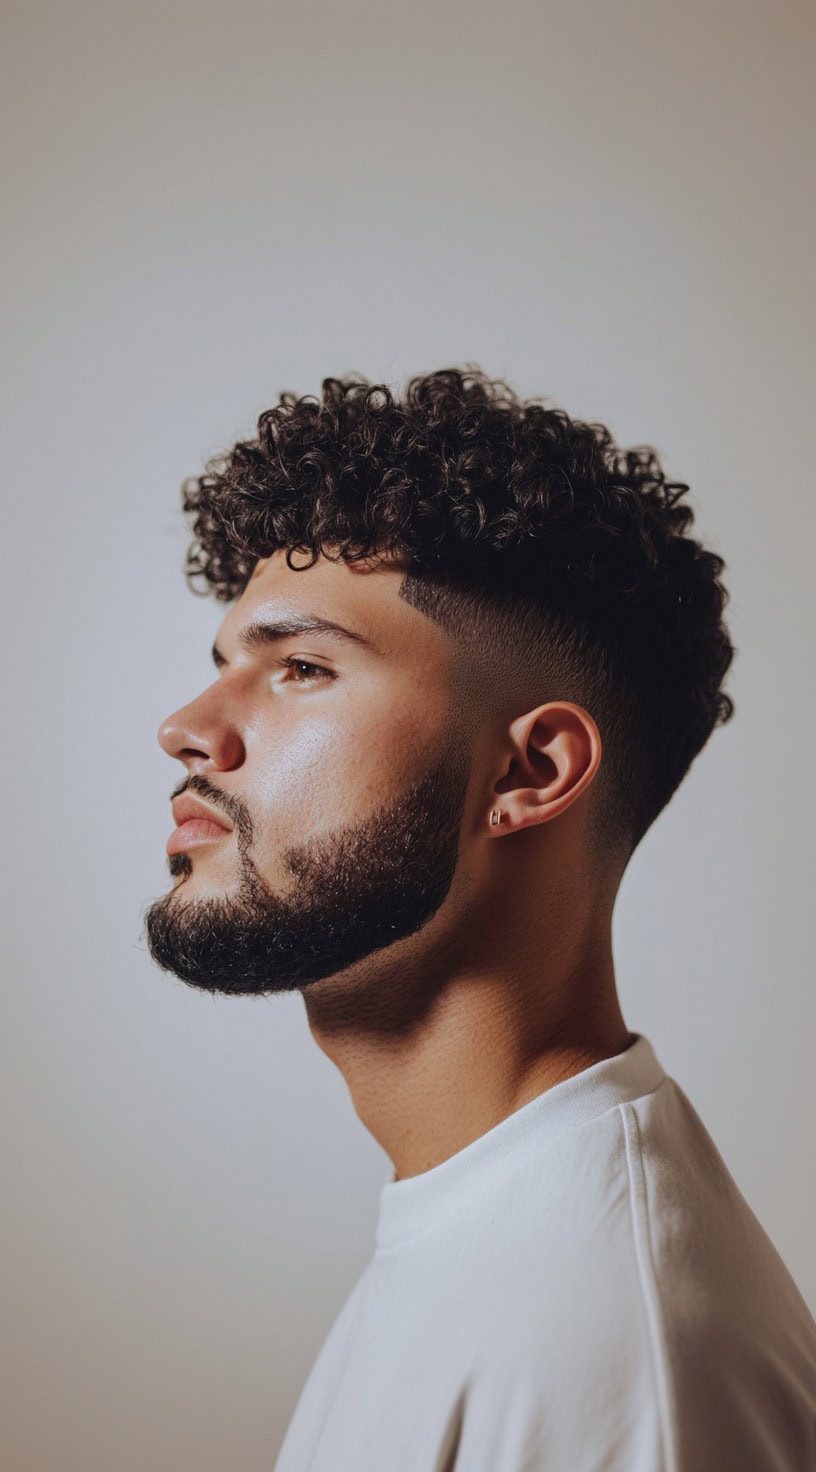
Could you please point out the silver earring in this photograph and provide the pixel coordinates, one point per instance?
(496, 816)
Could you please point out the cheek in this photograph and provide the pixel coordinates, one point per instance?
(336, 767)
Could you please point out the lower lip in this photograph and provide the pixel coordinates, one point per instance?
(193, 832)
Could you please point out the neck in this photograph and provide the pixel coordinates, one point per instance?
(486, 1040)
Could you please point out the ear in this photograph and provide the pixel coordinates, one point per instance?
(556, 751)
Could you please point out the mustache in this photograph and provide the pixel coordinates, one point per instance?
(235, 809)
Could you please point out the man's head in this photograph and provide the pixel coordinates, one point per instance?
(516, 596)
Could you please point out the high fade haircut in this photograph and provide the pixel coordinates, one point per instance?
(560, 563)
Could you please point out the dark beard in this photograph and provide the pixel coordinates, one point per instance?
(358, 889)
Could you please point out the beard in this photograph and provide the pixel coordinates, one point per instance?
(358, 890)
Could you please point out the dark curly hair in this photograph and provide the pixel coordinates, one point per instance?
(557, 552)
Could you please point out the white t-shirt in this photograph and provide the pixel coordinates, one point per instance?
(581, 1289)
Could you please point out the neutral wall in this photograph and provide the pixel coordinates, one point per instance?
(607, 203)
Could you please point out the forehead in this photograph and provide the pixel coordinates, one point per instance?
(363, 596)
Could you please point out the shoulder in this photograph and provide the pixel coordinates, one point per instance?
(731, 1339)
(634, 1292)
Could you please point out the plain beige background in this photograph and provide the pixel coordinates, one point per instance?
(607, 203)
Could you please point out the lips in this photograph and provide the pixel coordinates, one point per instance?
(196, 823)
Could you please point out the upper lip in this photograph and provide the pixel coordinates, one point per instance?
(186, 807)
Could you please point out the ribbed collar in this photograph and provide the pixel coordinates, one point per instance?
(407, 1207)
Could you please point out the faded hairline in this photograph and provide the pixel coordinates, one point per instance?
(512, 656)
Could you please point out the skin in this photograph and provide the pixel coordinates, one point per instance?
(509, 987)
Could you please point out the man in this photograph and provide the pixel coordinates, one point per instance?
(471, 651)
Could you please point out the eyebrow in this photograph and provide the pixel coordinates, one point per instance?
(259, 634)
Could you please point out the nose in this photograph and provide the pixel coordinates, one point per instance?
(202, 736)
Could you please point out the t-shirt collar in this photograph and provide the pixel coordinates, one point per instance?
(408, 1206)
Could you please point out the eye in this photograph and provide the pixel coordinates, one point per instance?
(316, 671)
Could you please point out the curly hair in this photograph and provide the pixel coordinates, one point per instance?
(554, 548)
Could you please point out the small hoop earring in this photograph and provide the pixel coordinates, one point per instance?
(496, 816)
